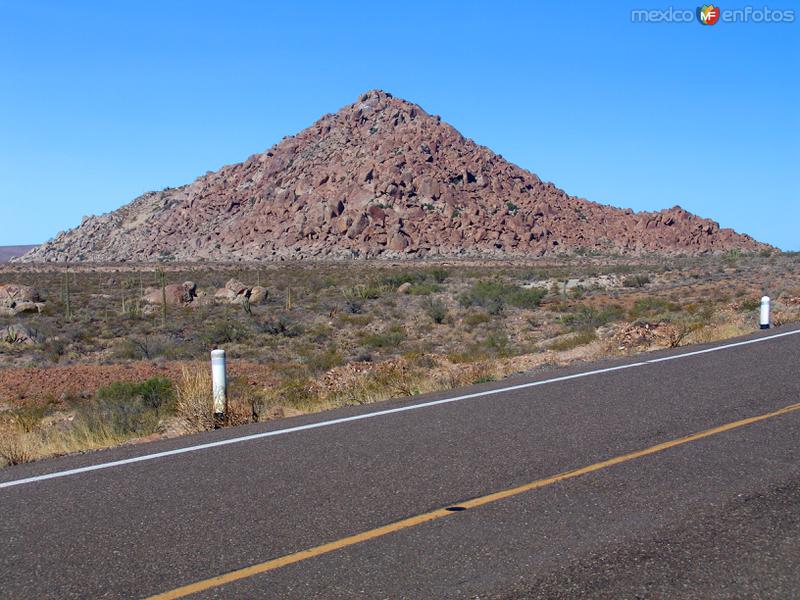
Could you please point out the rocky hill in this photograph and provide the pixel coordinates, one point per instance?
(380, 178)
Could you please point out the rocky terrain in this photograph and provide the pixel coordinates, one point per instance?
(380, 178)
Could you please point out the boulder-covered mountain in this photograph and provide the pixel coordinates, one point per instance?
(379, 178)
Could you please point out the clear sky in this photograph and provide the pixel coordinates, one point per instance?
(101, 101)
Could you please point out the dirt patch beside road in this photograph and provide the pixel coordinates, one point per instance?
(58, 384)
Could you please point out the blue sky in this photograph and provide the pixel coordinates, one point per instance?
(101, 101)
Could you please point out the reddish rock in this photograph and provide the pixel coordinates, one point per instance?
(176, 294)
(316, 194)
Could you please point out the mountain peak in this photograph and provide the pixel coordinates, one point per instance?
(379, 178)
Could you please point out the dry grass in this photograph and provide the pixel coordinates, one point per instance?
(715, 333)
(194, 402)
(18, 447)
(21, 443)
(573, 340)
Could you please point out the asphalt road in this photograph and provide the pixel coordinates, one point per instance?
(711, 517)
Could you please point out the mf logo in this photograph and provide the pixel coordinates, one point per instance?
(708, 14)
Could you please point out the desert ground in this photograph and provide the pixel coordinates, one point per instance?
(92, 356)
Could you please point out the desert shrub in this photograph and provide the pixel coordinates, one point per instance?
(354, 306)
(141, 347)
(157, 393)
(473, 319)
(581, 338)
(243, 404)
(424, 288)
(322, 360)
(124, 409)
(526, 297)
(636, 281)
(496, 343)
(296, 392)
(435, 309)
(355, 320)
(223, 331)
(578, 292)
(54, 349)
(651, 306)
(489, 295)
(439, 275)
(281, 325)
(493, 296)
(749, 305)
(194, 402)
(584, 316)
(391, 338)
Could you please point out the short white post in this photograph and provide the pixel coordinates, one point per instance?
(219, 380)
(764, 317)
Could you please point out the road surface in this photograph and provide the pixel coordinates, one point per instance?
(666, 475)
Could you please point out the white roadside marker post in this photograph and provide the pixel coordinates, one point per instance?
(219, 382)
(764, 318)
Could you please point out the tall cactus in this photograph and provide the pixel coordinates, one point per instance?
(67, 296)
(162, 279)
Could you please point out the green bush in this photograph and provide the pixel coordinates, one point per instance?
(281, 325)
(636, 281)
(435, 309)
(156, 392)
(224, 331)
(390, 338)
(750, 305)
(473, 319)
(124, 409)
(584, 316)
(526, 297)
(321, 361)
(652, 306)
(424, 288)
(439, 275)
(494, 296)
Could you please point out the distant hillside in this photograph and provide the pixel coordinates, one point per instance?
(9, 252)
(380, 178)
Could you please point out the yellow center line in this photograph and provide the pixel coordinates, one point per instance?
(439, 513)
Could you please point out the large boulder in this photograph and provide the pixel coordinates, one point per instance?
(19, 335)
(176, 294)
(258, 295)
(234, 292)
(15, 299)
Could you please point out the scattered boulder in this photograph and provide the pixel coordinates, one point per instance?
(404, 288)
(176, 294)
(15, 299)
(234, 292)
(258, 295)
(236, 286)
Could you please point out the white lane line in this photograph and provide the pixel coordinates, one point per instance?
(380, 413)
